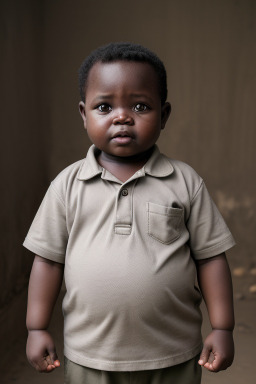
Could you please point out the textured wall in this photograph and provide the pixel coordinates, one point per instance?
(23, 146)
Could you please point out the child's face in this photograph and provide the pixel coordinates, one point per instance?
(122, 112)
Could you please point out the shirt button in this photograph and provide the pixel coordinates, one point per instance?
(124, 192)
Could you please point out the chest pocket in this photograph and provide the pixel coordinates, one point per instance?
(164, 223)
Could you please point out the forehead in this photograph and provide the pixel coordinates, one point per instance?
(123, 74)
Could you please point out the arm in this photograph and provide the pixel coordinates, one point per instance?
(44, 287)
(214, 279)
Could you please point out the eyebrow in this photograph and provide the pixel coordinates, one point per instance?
(103, 97)
(141, 95)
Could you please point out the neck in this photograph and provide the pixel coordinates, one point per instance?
(139, 159)
(124, 167)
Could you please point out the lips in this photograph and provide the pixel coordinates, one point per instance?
(122, 134)
(122, 137)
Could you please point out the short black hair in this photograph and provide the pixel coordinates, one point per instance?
(127, 52)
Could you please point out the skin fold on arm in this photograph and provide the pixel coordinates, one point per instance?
(44, 287)
(215, 282)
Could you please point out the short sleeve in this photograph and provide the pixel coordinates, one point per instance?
(209, 234)
(48, 235)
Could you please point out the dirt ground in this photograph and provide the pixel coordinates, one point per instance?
(242, 371)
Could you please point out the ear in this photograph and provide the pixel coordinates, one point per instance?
(82, 112)
(165, 113)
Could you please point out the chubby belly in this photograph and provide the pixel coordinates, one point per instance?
(122, 283)
(125, 305)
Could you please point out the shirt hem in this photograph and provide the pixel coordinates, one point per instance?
(120, 366)
(215, 250)
(58, 258)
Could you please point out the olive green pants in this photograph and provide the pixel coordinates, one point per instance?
(185, 373)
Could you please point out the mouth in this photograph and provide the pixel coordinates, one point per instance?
(122, 137)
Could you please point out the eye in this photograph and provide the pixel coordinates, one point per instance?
(104, 108)
(140, 107)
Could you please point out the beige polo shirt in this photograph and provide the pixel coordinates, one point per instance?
(132, 302)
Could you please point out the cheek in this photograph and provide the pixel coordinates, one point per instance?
(94, 134)
(96, 131)
(94, 125)
(151, 129)
(98, 121)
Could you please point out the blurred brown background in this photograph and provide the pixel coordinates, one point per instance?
(209, 49)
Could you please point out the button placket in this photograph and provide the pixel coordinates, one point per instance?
(123, 224)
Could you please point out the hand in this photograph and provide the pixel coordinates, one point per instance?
(218, 351)
(41, 351)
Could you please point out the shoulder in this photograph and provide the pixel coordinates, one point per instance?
(70, 171)
(185, 171)
(67, 178)
(184, 177)
(183, 167)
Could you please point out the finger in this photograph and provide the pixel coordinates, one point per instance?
(57, 363)
(216, 365)
(41, 365)
(209, 366)
(53, 355)
(54, 361)
(50, 365)
(48, 360)
(204, 357)
(50, 368)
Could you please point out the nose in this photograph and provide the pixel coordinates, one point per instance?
(123, 117)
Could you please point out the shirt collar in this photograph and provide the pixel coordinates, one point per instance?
(158, 165)
(90, 167)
